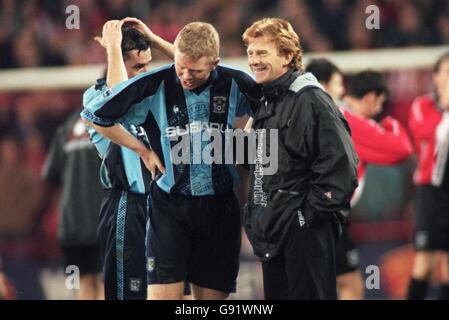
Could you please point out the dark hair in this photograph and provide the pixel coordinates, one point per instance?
(367, 81)
(133, 39)
(322, 69)
(437, 65)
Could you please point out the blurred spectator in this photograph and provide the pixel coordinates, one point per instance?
(20, 190)
(33, 33)
(73, 163)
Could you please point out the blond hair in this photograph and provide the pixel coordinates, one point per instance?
(197, 40)
(282, 34)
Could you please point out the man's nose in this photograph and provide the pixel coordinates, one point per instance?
(253, 60)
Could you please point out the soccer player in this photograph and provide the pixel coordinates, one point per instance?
(429, 125)
(73, 163)
(124, 211)
(294, 216)
(384, 143)
(194, 230)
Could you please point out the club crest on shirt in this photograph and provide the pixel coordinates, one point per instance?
(219, 104)
(135, 284)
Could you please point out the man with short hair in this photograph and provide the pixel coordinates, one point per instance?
(330, 77)
(294, 216)
(194, 230)
(429, 125)
(384, 143)
(124, 210)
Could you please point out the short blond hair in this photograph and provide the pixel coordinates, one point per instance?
(197, 40)
(282, 34)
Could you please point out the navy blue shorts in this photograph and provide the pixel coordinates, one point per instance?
(431, 218)
(121, 232)
(85, 257)
(195, 239)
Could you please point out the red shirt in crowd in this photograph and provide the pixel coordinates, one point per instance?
(429, 126)
(384, 143)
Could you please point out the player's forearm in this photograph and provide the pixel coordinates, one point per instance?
(163, 46)
(119, 135)
(116, 67)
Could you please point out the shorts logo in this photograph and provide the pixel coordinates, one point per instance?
(219, 104)
(135, 285)
(175, 108)
(301, 219)
(421, 239)
(150, 264)
(353, 258)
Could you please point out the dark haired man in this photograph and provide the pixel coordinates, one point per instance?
(124, 210)
(429, 125)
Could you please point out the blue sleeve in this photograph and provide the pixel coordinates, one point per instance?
(243, 107)
(250, 93)
(93, 97)
(101, 142)
(114, 103)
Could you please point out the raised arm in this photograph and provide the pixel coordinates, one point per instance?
(111, 40)
(163, 46)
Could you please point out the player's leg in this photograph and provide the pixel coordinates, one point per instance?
(88, 287)
(100, 286)
(87, 260)
(131, 237)
(168, 245)
(200, 293)
(350, 284)
(424, 242)
(107, 239)
(423, 264)
(168, 291)
(443, 293)
(214, 257)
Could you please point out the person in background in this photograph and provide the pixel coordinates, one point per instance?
(429, 126)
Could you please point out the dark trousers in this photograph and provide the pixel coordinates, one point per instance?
(305, 266)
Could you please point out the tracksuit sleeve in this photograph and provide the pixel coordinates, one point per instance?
(334, 165)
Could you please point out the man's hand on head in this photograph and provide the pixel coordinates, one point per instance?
(112, 34)
(139, 26)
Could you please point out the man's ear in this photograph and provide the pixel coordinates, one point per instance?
(288, 59)
(215, 63)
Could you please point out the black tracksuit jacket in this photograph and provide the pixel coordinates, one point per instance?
(317, 164)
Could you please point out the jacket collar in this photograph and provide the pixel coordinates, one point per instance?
(280, 85)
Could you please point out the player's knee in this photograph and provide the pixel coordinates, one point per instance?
(423, 265)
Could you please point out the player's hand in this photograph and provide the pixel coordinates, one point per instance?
(112, 34)
(153, 163)
(139, 26)
(390, 124)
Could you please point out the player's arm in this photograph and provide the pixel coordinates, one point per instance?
(119, 135)
(163, 46)
(385, 143)
(115, 132)
(111, 40)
